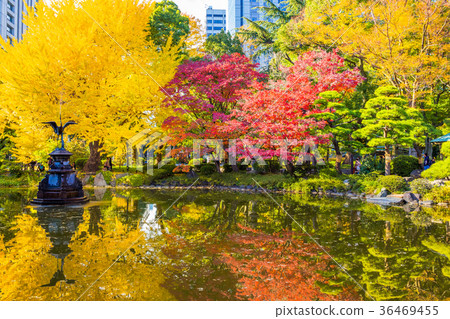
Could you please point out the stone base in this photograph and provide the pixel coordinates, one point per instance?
(59, 201)
(60, 186)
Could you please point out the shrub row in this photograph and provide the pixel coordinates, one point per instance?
(421, 186)
(392, 183)
(136, 180)
(403, 165)
(310, 184)
(439, 170)
(439, 194)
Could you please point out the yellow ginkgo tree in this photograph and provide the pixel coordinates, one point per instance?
(196, 38)
(89, 60)
(403, 43)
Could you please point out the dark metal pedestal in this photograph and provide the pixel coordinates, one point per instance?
(60, 186)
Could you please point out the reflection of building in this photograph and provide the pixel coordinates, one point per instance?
(11, 17)
(216, 21)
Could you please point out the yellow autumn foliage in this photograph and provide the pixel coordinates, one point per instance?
(27, 266)
(404, 43)
(196, 38)
(89, 58)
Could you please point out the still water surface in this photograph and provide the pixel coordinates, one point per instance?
(147, 245)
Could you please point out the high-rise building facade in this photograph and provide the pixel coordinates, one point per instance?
(238, 10)
(216, 21)
(11, 17)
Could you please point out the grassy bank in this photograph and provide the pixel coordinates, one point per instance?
(325, 180)
(23, 179)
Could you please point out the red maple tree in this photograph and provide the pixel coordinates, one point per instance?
(283, 110)
(204, 93)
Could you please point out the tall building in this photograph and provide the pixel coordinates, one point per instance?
(238, 10)
(216, 21)
(11, 16)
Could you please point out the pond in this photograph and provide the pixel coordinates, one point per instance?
(197, 245)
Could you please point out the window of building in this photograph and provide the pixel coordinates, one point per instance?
(10, 18)
(10, 29)
(219, 28)
(209, 15)
(209, 28)
(218, 21)
(10, 6)
(209, 21)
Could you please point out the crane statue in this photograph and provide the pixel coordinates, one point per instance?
(60, 186)
(59, 130)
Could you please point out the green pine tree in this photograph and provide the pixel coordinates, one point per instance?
(388, 121)
(223, 43)
(342, 122)
(263, 34)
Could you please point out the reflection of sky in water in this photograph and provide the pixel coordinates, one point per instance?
(149, 223)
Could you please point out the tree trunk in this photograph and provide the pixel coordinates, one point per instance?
(226, 146)
(351, 163)
(352, 158)
(94, 220)
(388, 232)
(290, 168)
(252, 215)
(387, 156)
(93, 163)
(387, 162)
(418, 150)
(338, 156)
(159, 154)
(217, 163)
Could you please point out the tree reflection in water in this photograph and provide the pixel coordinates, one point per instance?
(27, 263)
(279, 266)
(210, 246)
(282, 266)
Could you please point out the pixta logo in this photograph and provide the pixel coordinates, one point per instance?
(142, 147)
